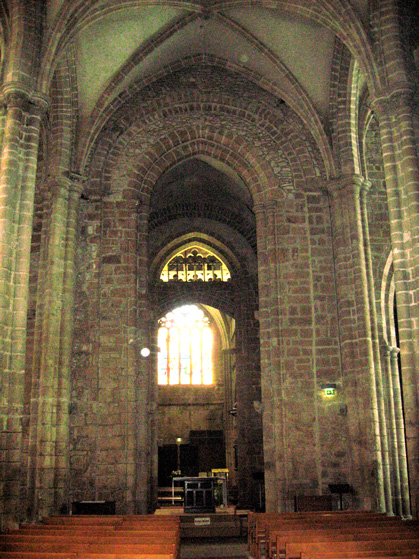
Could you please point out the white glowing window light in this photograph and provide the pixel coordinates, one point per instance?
(195, 264)
(185, 347)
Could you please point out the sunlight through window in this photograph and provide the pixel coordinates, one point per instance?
(185, 347)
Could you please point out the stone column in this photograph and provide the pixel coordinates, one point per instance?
(274, 411)
(397, 433)
(358, 364)
(400, 432)
(18, 162)
(394, 107)
(402, 188)
(62, 443)
(364, 189)
(47, 387)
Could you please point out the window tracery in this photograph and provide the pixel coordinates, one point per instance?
(195, 264)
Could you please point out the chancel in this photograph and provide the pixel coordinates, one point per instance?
(209, 258)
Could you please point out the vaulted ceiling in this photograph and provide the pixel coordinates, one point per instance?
(259, 39)
(117, 43)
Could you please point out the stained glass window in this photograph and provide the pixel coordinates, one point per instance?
(185, 347)
(195, 264)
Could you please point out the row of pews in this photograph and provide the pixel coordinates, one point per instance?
(331, 535)
(95, 537)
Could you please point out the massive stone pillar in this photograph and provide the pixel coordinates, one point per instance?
(274, 410)
(23, 113)
(382, 396)
(50, 390)
(402, 184)
(394, 106)
(357, 352)
(62, 443)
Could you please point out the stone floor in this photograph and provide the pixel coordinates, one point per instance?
(214, 548)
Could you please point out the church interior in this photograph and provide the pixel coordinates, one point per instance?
(209, 267)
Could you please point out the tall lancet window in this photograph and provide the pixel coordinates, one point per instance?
(185, 347)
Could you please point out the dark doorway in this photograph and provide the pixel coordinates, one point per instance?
(168, 462)
(205, 451)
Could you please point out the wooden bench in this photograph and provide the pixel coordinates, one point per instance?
(64, 555)
(258, 521)
(331, 550)
(260, 524)
(391, 554)
(92, 537)
(272, 533)
(91, 547)
(136, 531)
(278, 539)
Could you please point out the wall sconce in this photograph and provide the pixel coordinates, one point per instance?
(329, 389)
(145, 352)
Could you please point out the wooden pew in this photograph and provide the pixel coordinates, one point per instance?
(331, 550)
(277, 539)
(63, 540)
(91, 530)
(260, 524)
(390, 554)
(63, 555)
(94, 537)
(272, 531)
(92, 547)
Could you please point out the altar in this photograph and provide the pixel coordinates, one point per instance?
(199, 493)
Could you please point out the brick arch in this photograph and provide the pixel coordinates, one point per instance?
(179, 242)
(229, 241)
(173, 149)
(202, 210)
(120, 113)
(292, 93)
(347, 92)
(281, 128)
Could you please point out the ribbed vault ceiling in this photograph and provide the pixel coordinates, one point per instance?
(118, 43)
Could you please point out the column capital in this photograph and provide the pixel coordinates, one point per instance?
(352, 183)
(78, 182)
(267, 206)
(391, 351)
(394, 351)
(17, 95)
(391, 100)
(59, 186)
